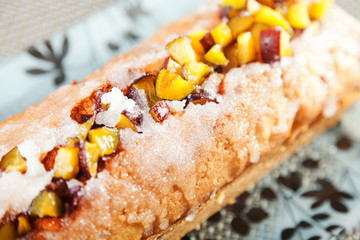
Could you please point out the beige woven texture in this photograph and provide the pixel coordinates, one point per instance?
(24, 23)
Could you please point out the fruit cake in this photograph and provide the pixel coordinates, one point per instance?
(163, 136)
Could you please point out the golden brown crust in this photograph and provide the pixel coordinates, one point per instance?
(223, 166)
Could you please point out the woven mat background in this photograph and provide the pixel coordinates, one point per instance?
(24, 23)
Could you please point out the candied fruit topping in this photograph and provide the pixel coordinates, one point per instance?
(125, 122)
(171, 86)
(47, 204)
(196, 72)
(7, 231)
(319, 9)
(272, 18)
(195, 37)
(298, 15)
(66, 163)
(85, 127)
(216, 55)
(92, 157)
(236, 4)
(181, 50)
(246, 48)
(23, 225)
(13, 161)
(240, 24)
(222, 34)
(106, 138)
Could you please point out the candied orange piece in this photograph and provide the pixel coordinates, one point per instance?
(92, 157)
(23, 225)
(195, 37)
(298, 15)
(181, 50)
(236, 4)
(222, 34)
(13, 161)
(171, 86)
(47, 204)
(196, 72)
(66, 164)
(246, 48)
(272, 18)
(320, 8)
(216, 55)
(107, 139)
(240, 24)
(7, 231)
(125, 122)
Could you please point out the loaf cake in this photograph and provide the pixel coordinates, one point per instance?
(165, 135)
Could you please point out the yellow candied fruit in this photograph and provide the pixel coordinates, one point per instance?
(171, 86)
(147, 83)
(181, 50)
(222, 34)
(195, 37)
(269, 3)
(92, 157)
(240, 24)
(7, 231)
(285, 48)
(107, 139)
(246, 48)
(272, 18)
(23, 226)
(196, 72)
(174, 67)
(236, 4)
(216, 55)
(255, 32)
(320, 8)
(66, 164)
(13, 161)
(298, 15)
(253, 6)
(47, 204)
(125, 122)
(85, 127)
(71, 142)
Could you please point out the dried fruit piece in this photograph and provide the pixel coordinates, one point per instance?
(106, 138)
(85, 127)
(319, 8)
(275, 44)
(125, 122)
(216, 55)
(147, 84)
(236, 4)
(72, 142)
(240, 24)
(246, 48)
(66, 163)
(196, 72)
(13, 161)
(222, 34)
(181, 50)
(7, 231)
(269, 3)
(92, 157)
(255, 32)
(171, 86)
(47, 204)
(252, 6)
(23, 225)
(195, 37)
(273, 18)
(298, 15)
(207, 41)
(200, 97)
(160, 111)
(172, 66)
